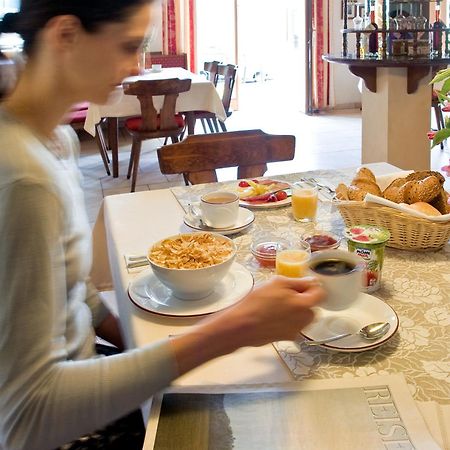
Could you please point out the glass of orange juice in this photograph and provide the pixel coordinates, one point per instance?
(304, 202)
(293, 260)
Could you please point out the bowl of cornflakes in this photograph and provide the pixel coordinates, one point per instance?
(191, 264)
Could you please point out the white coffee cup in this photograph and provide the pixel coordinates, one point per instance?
(219, 209)
(156, 67)
(341, 275)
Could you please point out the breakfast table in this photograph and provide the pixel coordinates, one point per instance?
(202, 96)
(414, 285)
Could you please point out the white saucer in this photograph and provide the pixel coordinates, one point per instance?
(245, 219)
(149, 294)
(366, 309)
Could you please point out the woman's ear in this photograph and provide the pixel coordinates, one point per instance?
(63, 31)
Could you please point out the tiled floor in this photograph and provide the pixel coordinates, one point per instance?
(329, 140)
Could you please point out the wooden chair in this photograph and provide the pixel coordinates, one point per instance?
(227, 72)
(166, 60)
(211, 70)
(76, 118)
(198, 156)
(152, 124)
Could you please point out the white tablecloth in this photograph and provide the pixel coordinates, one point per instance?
(129, 224)
(202, 96)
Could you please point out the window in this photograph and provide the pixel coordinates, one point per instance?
(9, 41)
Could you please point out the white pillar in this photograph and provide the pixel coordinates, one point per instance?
(395, 123)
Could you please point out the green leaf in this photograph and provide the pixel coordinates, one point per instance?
(445, 89)
(440, 76)
(440, 136)
(442, 97)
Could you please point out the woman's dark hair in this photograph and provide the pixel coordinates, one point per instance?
(34, 14)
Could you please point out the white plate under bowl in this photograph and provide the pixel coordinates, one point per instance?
(366, 309)
(245, 219)
(149, 294)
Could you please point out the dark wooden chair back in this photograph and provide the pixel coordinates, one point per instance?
(212, 71)
(167, 60)
(145, 90)
(228, 73)
(152, 123)
(198, 156)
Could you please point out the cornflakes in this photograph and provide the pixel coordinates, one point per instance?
(191, 251)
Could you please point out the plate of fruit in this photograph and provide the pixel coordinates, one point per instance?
(264, 193)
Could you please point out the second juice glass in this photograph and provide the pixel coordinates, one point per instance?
(293, 261)
(304, 202)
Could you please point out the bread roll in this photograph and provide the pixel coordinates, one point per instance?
(425, 208)
(441, 202)
(403, 191)
(421, 174)
(392, 192)
(421, 191)
(365, 174)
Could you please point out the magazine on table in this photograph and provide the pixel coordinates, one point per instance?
(371, 413)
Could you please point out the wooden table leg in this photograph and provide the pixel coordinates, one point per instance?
(113, 142)
(190, 119)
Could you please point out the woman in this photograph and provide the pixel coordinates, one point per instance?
(52, 390)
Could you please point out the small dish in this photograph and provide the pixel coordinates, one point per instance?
(366, 309)
(322, 240)
(245, 219)
(264, 249)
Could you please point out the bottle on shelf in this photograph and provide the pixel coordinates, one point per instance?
(400, 45)
(391, 37)
(423, 37)
(438, 25)
(358, 21)
(410, 24)
(373, 37)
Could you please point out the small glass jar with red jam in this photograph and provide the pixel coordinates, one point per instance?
(322, 240)
(264, 249)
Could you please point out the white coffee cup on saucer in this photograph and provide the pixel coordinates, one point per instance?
(219, 209)
(341, 275)
(156, 67)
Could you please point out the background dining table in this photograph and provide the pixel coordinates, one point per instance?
(414, 284)
(202, 96)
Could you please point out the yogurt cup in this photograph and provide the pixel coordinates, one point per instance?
(368, 242)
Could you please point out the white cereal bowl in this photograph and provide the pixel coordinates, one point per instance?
(193, 284)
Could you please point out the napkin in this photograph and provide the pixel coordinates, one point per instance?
(385, 180)
(135, 265)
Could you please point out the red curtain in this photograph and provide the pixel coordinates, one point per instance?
(320, 46)
(178, 30)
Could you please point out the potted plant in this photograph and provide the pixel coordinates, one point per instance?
(443, 95)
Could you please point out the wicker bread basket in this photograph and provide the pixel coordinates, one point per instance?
(407, 232)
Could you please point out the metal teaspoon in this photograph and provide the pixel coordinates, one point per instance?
(371, 331)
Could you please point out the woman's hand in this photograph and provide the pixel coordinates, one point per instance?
(274, 311)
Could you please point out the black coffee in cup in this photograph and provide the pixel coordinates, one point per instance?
(332, 267)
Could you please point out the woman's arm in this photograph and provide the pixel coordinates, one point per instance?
(274, 311)
(46, 399)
